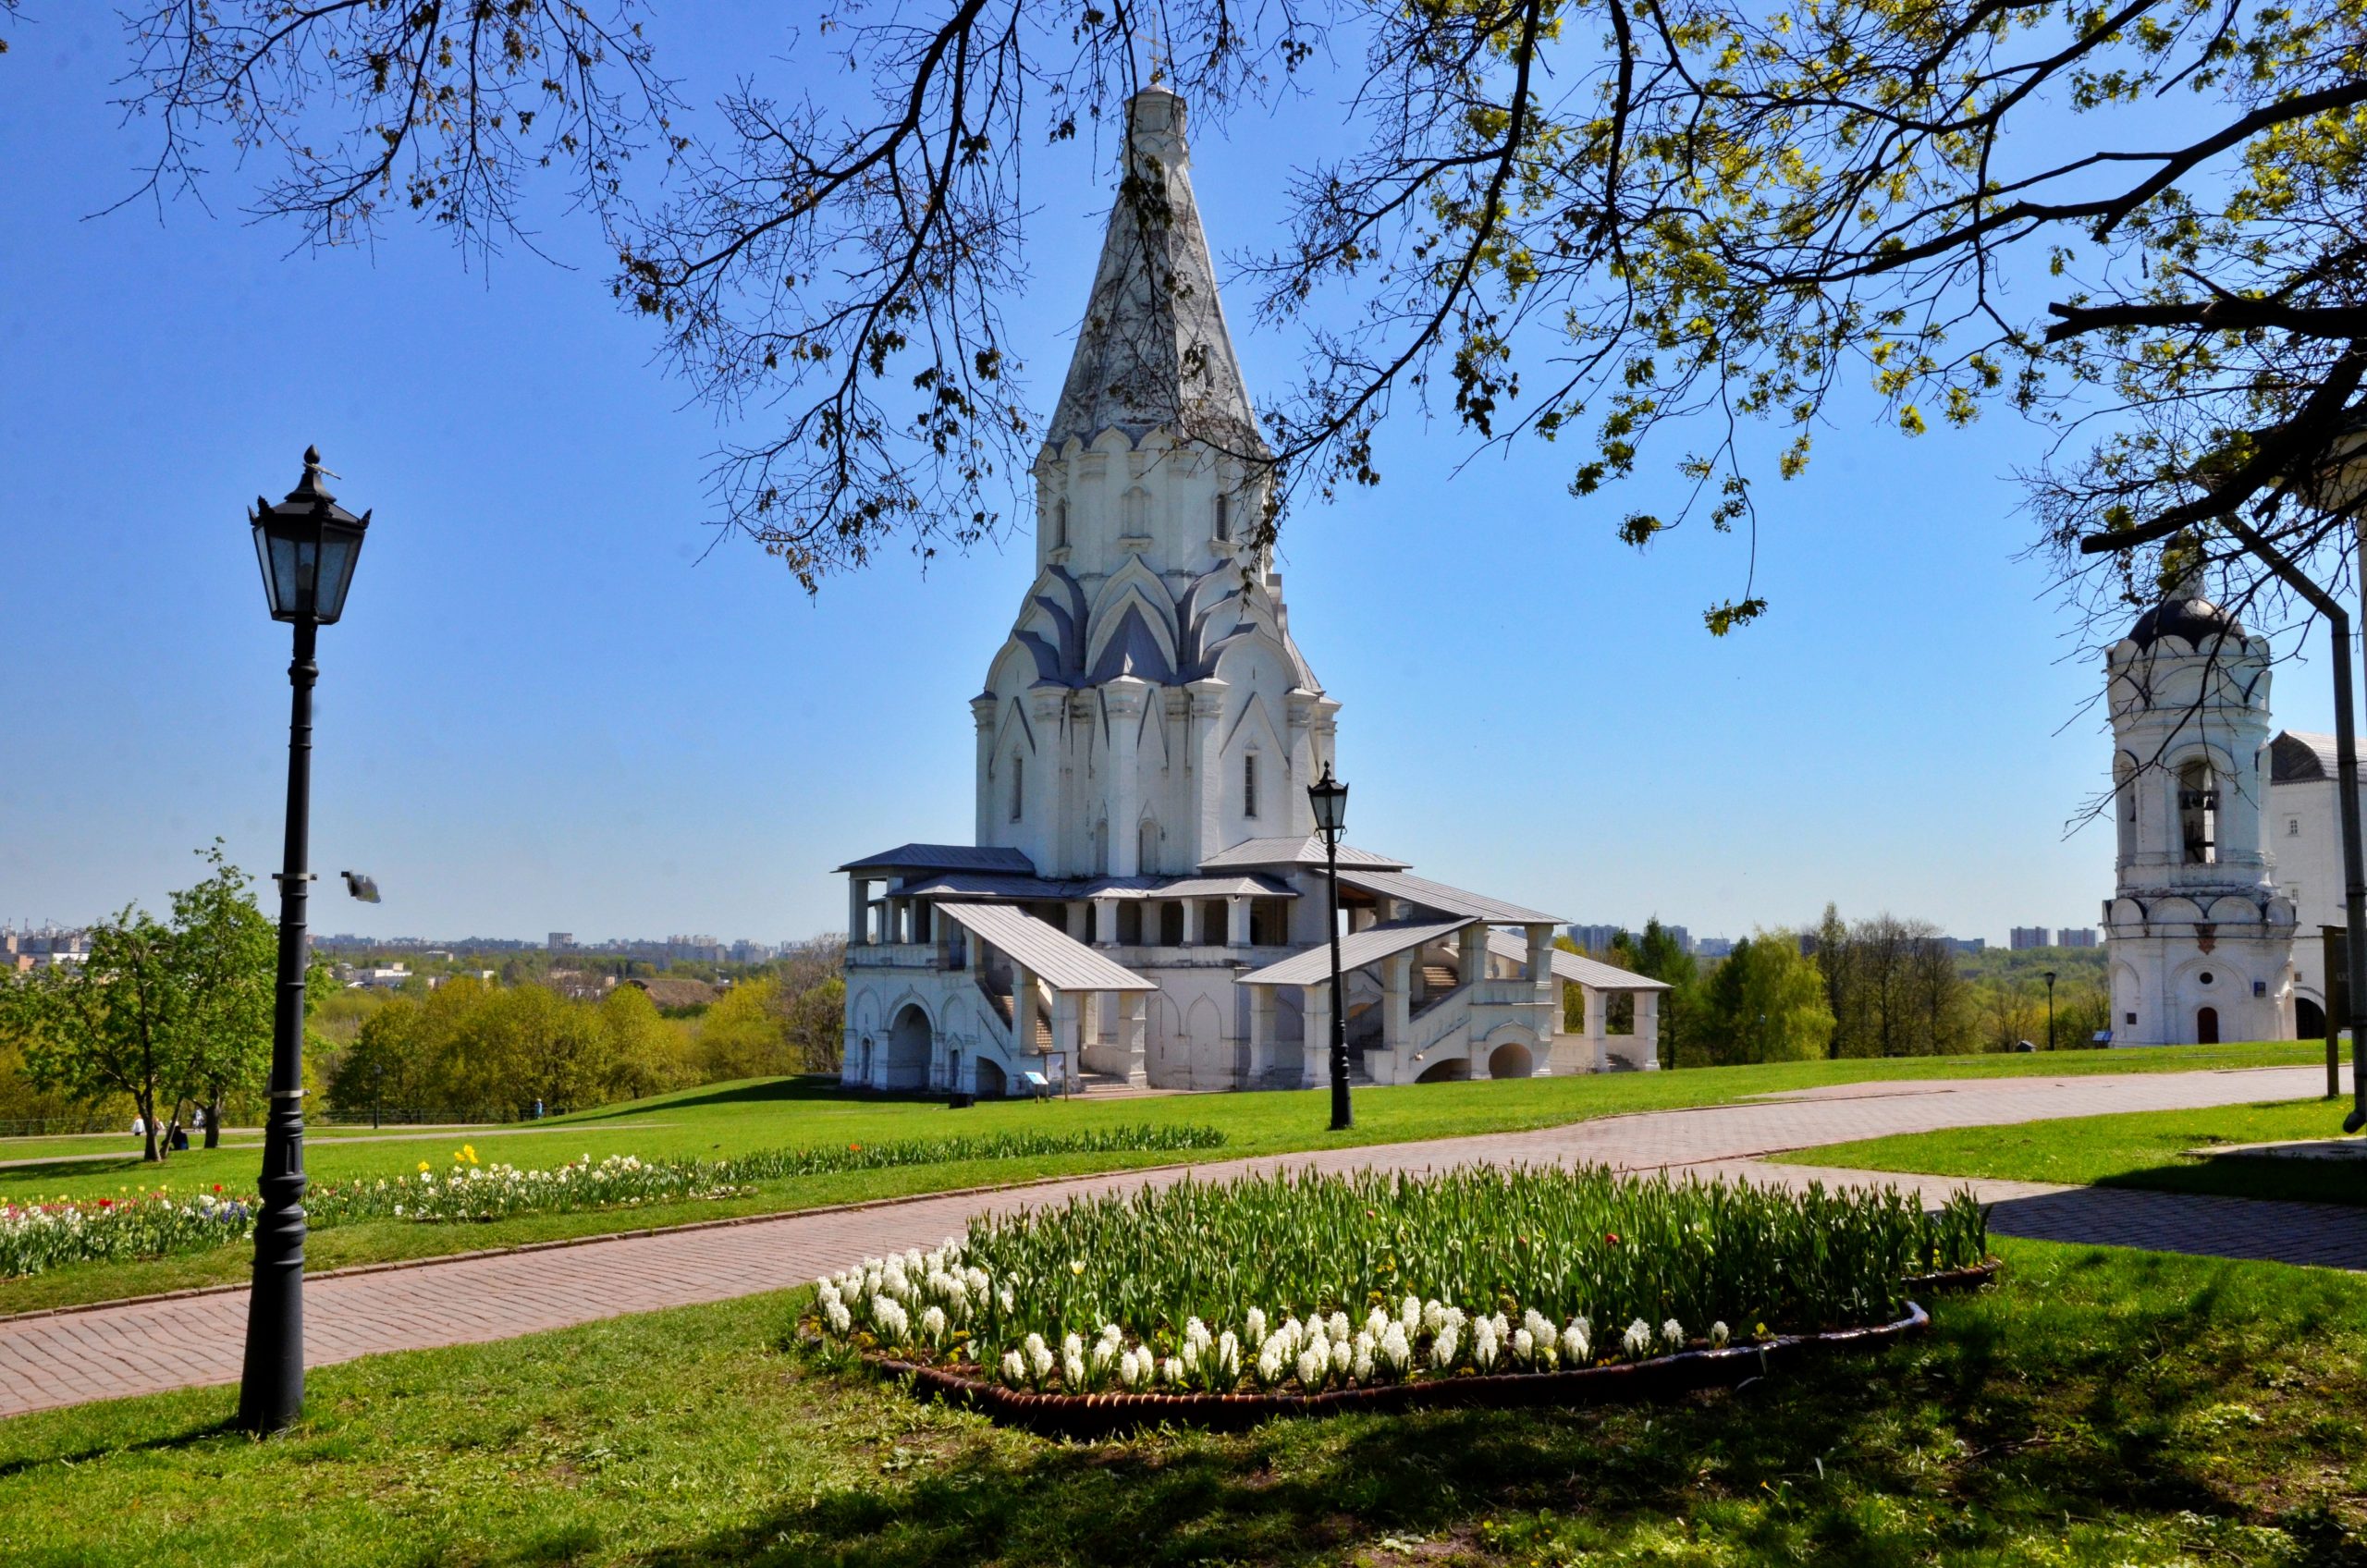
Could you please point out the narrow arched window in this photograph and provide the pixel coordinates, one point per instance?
(1249, 785)
(2198, 813)
(1061, 525)
(1018, 788)
(1224, 517)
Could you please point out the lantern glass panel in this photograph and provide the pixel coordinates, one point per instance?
(338, 550)
(1330, 798)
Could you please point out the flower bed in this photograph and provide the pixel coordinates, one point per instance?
(1295, 1288)
(36, 1237)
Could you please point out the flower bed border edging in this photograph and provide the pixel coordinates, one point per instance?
(1104, 1414)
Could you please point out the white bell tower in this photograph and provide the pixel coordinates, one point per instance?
(2199, 941)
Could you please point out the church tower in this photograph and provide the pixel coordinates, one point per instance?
(2199, 941)
(1149, 708)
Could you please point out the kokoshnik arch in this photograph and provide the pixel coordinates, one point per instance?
(1144, 902)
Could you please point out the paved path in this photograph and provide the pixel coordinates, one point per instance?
(144, 1347)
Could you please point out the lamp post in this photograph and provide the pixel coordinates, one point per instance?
(2049, 977)
(306, 546)
(1330, 798)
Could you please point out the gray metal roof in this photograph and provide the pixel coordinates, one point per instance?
(1055, 958)
(1368, 945)
(1225, 887)
(982, 885)
(945, 857)
(977, 885)
(1439, 896)
(2298, 757)
(1294, 851)
(1593, 974)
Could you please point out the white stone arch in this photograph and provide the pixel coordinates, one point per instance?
(1509, 1051)
(1150, 855)
(1203, 1024)
(911, 1044)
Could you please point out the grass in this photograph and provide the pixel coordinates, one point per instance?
(2145, 1148)
(720, 1119)
(2100, 1407)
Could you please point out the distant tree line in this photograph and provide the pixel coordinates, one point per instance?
(1880, 986)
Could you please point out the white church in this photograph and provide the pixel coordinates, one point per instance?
(2229, 866)
(1144, 901)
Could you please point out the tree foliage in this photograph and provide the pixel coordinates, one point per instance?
(1893, 987)
(1582, 220)
(1766, 1003)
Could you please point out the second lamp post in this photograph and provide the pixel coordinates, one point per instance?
(1330, 798)
(306, 545)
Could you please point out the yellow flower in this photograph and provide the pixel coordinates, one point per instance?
(1076, 1266)
(422, 1166)
(468, 1153)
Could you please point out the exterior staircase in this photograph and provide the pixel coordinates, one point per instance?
(1002, 1002)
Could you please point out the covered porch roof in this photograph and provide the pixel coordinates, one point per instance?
(1368, 945)
(1593, 974)
(1051, 956)
(1427, 894)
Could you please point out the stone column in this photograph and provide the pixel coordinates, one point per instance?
(1204, 755)
(1597, 1046)
(1396, 1004)
(1192, 922)
(1471, 955)
(1236, 923)
(1135, 1040)
(1261, 1033)
(982, 713)
(1079, 920)
(1647, 1030)
(858, 911)
(1297, 814)
(1022, 1008)
(1048, 784)
(1540, 971)
(1105, 922)
(1314, 1009)
(1065, 1031)
(1126, 695)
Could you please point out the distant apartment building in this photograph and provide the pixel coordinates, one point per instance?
(1596, 939)
(2026, 938)
(1966, 943)
(562, 940)
(2076, 937)
(26, 948)
(1714, 946)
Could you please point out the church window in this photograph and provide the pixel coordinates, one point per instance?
(1061, 525)
(2207, 977)
(1224, 517)
(1134, 509)
(1018, 786)
(1249, 785)
(2198, 813)
(1146, 849)
(2292, 826)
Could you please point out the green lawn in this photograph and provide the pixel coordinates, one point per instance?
(733, 1118)
(2100, 1408)
(2147, 1149)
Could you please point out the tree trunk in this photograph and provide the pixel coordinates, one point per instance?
(147, 1107)
(213, 1120)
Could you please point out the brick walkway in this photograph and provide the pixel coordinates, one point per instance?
(145, 1347)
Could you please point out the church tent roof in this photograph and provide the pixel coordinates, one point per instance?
(945, 857)
(1440, 897)
(1294, 851)
(1368, 945)
(1593, 974)
(1053, 957)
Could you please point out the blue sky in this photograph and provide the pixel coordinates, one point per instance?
(548, 707)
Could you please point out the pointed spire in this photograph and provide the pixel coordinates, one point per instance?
(1154, 352)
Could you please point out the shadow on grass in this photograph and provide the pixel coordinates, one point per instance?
(806, 1087)
(169, 1443)
(1986, 1439)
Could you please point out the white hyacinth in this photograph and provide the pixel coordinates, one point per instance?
(1360, 1361)
(1313, 1363)
(1270, 1362)
(1344, 1358)
(1577, 1342)
(1072, 1363)
(1433, 1315)
(1014, 1371)
(1008, 1300)
(1483, 1344)
(888, 1317)
(1336, 1327)
(1443, 1349)
(1638, 1340)
(1719, 1334)
(1172, 1370)
(842, 1321)
(1130, 1369)
(1039, 1357)
(933, 1325)
(1409, 1312)
(1254, 1328)
(1105, 1350)
(826, 1291)
(1672, 1334)
(1524, 1347)
(977, 1282)
(1396, 1351)
(1227, 1360)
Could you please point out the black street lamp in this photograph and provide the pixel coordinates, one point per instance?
(306, 546)
(1330, 798)
(2049, 977)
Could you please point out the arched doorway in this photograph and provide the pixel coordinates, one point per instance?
(2309, 1020)
(909, 1041)
(992, 1084)
(1512, 1059)
(1454, 1069)
(2206, 1026)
